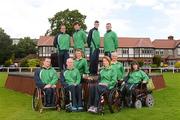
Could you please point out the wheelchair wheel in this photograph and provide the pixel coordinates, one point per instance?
(115, 100)
(149, 101)
(62, 98)
(138, 104)
(37, 100)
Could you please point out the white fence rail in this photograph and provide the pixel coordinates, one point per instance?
(31, 69)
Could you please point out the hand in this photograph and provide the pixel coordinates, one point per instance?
(53, 86)
(47, 86)
(105, 84)
(144, 81)
(123, 83)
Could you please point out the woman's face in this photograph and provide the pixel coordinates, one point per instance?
(135, 67)
(78, 55)
(105, 63)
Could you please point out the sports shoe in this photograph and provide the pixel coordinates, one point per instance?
(90, 108)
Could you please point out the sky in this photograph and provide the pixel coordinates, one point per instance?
(156, 19)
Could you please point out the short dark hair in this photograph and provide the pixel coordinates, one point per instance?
(108, 24)
(96, 21)
(76, 23)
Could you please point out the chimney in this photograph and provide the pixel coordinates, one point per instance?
(170, 37)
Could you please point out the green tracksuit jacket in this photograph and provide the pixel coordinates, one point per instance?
(137, 76)
(72, 76)
(119, 69)
(82, 66)
(110, 41)
(108, 76)
(79, 38)
(48, 76)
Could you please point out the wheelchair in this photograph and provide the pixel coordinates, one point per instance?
(112, 98)
(39, 100)
(141, 96)
(65, 99)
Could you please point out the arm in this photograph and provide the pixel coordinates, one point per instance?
(37, 79)
(115, 38)
(54, 78)
(84, 37)
(122, 71)
(78, 77)
(113, 78)
(55, 43)
(86, 68)
(89, 38)
(144, 76)
(62, 79)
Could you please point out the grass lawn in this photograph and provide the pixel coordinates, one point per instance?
(17, 106)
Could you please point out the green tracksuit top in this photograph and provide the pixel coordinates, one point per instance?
(48, 76)
(119, 69)
(79, 38)
(110, 41)
(72, 76)
(137, 76)
(96, 39)
(63, 41)
(82, 66)
(108, 76)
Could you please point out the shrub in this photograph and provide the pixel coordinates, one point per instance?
(177, 64)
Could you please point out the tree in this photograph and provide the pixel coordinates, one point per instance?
(5, 46)
(25, 47)
(157, 60)
(67, 18)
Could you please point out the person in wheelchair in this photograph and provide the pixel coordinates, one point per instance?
(134, 78)
(71, 80)
(46, 79)
(118, 66)
(107, 81)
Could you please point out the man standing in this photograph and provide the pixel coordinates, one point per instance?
(79, 37)
(110, 41)
(93, 41)
(62, 43)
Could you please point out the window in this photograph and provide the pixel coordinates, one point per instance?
(170, 52)
(178, 51)
(125, 51)
(161, 52)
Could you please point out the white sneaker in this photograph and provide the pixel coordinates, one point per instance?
(90, 108)
(94, 110)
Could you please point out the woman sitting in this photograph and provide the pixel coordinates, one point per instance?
(134, 78)
(107, 81)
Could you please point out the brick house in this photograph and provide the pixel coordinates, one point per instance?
(130, 48)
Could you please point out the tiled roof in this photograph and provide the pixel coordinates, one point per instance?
(165, 43)
(123, 41)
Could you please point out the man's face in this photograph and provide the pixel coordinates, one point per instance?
(108, 27)
(96, 25)
(47, 63)
(77, 27)
(70, 63)
(63, 29)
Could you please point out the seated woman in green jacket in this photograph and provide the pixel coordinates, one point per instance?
(107, 81)
(71, 79)
(81, 63)
(134, 78)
